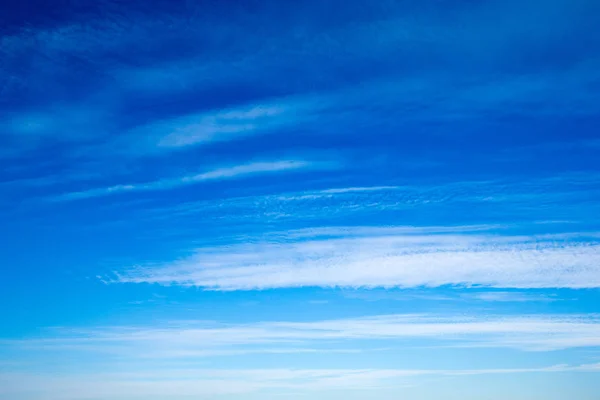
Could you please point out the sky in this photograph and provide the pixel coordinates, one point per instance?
(317, 199)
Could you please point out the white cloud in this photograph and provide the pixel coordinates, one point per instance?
(455, 296)
(162, 360)
(186, 339)
(249, 169)
(509, 297)
(178, 383)
(383, 258)
(221, 125)
(344, 204)
(230, 172)
(359, 189)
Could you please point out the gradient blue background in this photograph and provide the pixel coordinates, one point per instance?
(415, 183)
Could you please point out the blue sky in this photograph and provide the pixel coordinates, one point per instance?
(345, 200)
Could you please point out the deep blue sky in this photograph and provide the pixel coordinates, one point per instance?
(329, 199)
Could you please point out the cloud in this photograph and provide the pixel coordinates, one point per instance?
(180, 383)
(454, 296)
(156, 359)
(231, 172)
(500, 296)
(216, 125)
(530, 200)
(221, 124)
(193, 339)
(384, 258)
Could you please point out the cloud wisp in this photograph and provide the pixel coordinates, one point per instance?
(487, 296)
(198, 339)
(182, 383)
(509, 297)
(536, 199)
(232, 172)
(161, 359)
(220, 125)
(384, 258)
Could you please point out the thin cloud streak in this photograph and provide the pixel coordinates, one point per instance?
(203, 382)
(509, 297)
(233, 172)
(186, 339)
(319, 205)
(220, 125)
(385, 259)
(457, 297)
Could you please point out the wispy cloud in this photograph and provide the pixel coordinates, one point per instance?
(533, 200)
(232, 172)
(193, 339)
(182, 383)
(210, 126)
(456, 296)
(509, 297)
(385, 259)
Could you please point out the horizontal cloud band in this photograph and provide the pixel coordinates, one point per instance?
(385, 257)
